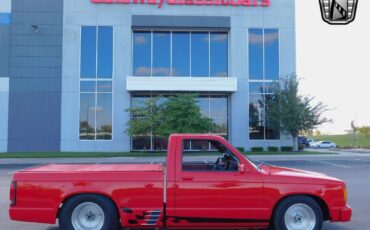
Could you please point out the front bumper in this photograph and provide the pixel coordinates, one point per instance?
(343, 214)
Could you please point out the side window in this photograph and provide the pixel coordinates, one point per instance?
(207, 156)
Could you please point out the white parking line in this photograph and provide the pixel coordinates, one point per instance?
(365, 160)
(332, 164)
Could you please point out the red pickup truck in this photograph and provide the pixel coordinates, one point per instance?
(225, 190)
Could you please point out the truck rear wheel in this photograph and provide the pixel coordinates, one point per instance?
(298, 213)
(88, 212)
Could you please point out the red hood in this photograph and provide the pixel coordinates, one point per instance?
(295, 173)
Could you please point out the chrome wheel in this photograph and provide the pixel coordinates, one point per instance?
(300, 217)
(88, 216)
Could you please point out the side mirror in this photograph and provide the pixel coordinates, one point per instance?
(242, 168)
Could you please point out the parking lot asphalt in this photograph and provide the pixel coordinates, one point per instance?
(354, 170)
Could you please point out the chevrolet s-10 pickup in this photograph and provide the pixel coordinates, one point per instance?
(214, 186)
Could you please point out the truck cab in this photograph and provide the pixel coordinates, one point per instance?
(211, 183)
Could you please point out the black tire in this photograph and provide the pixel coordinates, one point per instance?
(105, 204)
(281, 210)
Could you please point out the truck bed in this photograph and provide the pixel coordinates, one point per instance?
(92, 173)
(42, 189)
(97, 168)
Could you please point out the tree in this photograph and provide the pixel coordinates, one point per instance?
(365, 131)
(181, 114)
(294, 113)
(146, 119)
(355, 133)
(177, 114)
(354, 127)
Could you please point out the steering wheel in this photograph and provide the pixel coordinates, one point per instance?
(220, 163)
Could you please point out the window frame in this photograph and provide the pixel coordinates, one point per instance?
(96, 79)
(264, 53)
(171, 30)
(264, 81)
(206, 95)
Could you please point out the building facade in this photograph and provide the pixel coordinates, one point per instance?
(72, 68)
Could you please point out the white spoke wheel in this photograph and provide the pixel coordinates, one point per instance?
(300, 217)
(88, 216)
(88, 212)
(298, 213)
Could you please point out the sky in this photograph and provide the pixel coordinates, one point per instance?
(334, 65)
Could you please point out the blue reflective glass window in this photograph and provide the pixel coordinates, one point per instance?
(200, 54)
(104, 116)
(105, 52)
(161, 54)
(256, 87)
(181, 54)
(218, 106)
(203, 104)
(271, 40)
(140, 101)
(87, 116)
(271, 87)
(5, 18)
(256, 117)
(88, 86)
(219, 54)
(220, 126)
(272, 130)
(88, 52)
(142, 53)
(104, 86)
(256, 54)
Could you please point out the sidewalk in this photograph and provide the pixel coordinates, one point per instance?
(154, 159)
(358, 150)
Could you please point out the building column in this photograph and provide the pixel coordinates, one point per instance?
(4, 109)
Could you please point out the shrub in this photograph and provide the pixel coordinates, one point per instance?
(241, 149)
(345, 146)
(286, 148)
(273, 149)
(301, 146)
(257, 149)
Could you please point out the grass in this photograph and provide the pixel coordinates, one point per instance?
(128, 154)
(346, 140)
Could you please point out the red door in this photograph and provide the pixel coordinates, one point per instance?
(217, 198)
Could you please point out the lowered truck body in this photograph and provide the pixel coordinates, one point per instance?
(186, 192)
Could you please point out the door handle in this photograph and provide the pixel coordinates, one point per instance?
(187, 178)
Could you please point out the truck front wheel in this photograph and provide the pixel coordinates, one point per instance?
(298, 212)
(88, 212)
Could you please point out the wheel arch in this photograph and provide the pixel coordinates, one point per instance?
(321, 202)
(69, 196)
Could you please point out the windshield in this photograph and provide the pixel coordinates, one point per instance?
(255, 163)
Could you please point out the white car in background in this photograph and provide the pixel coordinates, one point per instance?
(311, 142)
(324, 144)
